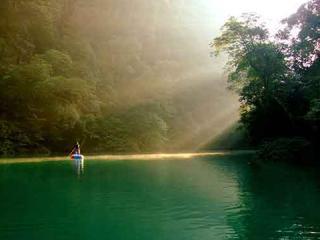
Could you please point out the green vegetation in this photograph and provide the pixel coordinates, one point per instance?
(233, 138)
(97, 72)
(285, 149)
(75, 70)
(277, 80)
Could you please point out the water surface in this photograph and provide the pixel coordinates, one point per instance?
(200, 197)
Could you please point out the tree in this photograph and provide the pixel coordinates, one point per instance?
(258, 72)
(277, 80)
(302, 48)
(300, 39)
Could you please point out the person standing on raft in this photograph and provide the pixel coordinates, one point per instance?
(76, 149)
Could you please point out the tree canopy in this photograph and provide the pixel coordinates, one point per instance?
(109, 74)
(277, 78)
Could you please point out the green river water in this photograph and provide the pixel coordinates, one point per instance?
(201, 197)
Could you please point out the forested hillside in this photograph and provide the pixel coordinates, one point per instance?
(116, 75)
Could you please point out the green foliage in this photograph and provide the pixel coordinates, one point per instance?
(61, 63)
(277, 80)
(12, 139)
(286, 149)
(304, 46)
(131, 131)
(314, 112)
(79, 70)
(257, 71)
(239, 35)
(233, 138)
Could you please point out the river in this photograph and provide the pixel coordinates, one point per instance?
(176, 197)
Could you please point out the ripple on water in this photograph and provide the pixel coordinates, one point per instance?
(212, 198)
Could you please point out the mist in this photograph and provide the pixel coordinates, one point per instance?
(122, 75)
(160, 52)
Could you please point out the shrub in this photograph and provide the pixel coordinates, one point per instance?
(294, 149)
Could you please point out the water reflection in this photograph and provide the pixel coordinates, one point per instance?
(78, 165)
(221, 197)
(276, 201)
(214, 197)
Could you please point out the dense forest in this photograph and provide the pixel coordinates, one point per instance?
(278, 81)
(137, 76)
(117, 76)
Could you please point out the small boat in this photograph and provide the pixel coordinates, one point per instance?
(75, 153)
(77, 157)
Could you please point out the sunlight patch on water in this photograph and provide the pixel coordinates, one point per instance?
(145, 157)
(157, 156)
(31, 160)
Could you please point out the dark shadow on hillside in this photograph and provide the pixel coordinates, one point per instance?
(233, 138)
